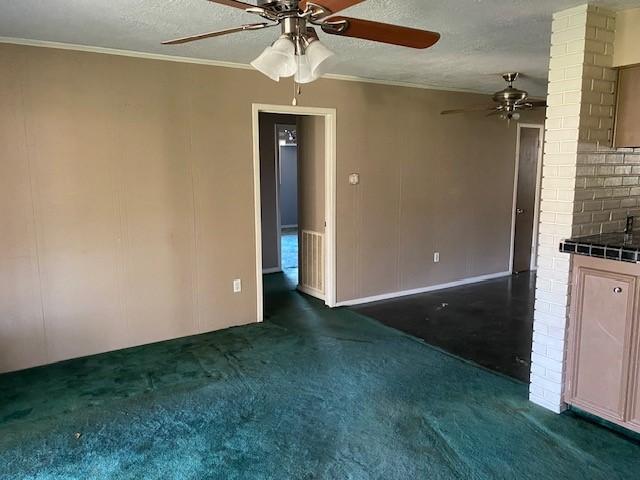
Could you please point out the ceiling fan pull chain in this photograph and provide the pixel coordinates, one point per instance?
(296, 92)
(295, 100)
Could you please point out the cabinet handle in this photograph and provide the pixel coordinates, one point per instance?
(617, 290)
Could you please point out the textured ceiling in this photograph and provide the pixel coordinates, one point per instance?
(480, 38)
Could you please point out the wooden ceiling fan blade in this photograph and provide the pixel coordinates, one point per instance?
(202, 36)
(233, 3)
(468, 110)
(530, 105)
(380, 32)
(331, 6)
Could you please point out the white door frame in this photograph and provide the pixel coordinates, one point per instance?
(536, 212)
(329, 115)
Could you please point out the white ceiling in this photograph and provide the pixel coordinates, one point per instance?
(480, 38)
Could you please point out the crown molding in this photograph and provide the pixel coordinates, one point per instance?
(121, 53)
(390, 83)
(216, 63)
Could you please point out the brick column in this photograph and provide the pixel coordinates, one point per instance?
(579, 123)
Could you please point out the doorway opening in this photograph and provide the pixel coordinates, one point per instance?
(526, 198)
(288, 199)
(294, 192)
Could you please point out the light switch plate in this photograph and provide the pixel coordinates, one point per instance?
(237, 285)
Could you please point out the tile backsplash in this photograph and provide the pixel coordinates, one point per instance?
(607, 190)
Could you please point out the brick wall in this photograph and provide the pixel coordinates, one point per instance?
(587, 186)
(607, 190)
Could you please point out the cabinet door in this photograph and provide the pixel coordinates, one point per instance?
(602, 318)
(627, 129)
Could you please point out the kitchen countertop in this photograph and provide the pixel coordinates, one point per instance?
(612, 246)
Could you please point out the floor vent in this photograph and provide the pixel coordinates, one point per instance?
(312, 263)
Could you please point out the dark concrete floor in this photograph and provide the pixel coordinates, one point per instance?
(489, 323)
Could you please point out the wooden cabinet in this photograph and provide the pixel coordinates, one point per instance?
(603, 374)
(627, 126)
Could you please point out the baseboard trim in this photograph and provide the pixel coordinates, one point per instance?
(415, 291)
(266, 271)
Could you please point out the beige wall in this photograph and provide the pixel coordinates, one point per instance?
(626, 49)
(127, 209)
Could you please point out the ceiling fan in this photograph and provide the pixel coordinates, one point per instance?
(509, 101)
(298, 51)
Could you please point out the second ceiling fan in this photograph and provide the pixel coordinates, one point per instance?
(508, 102)
(298, 51)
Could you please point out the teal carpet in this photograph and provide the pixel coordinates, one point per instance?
(289, 254)
(309, 394)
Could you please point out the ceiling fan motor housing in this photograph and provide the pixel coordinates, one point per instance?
(510, 96)
(279, 5)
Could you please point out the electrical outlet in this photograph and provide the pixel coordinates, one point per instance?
(237, 285)
(436, 257)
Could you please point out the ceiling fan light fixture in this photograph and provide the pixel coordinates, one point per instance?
(320, 58)
(267, 64)
(304, 73)
(313, 58)
(277, 60)
(510, 116)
